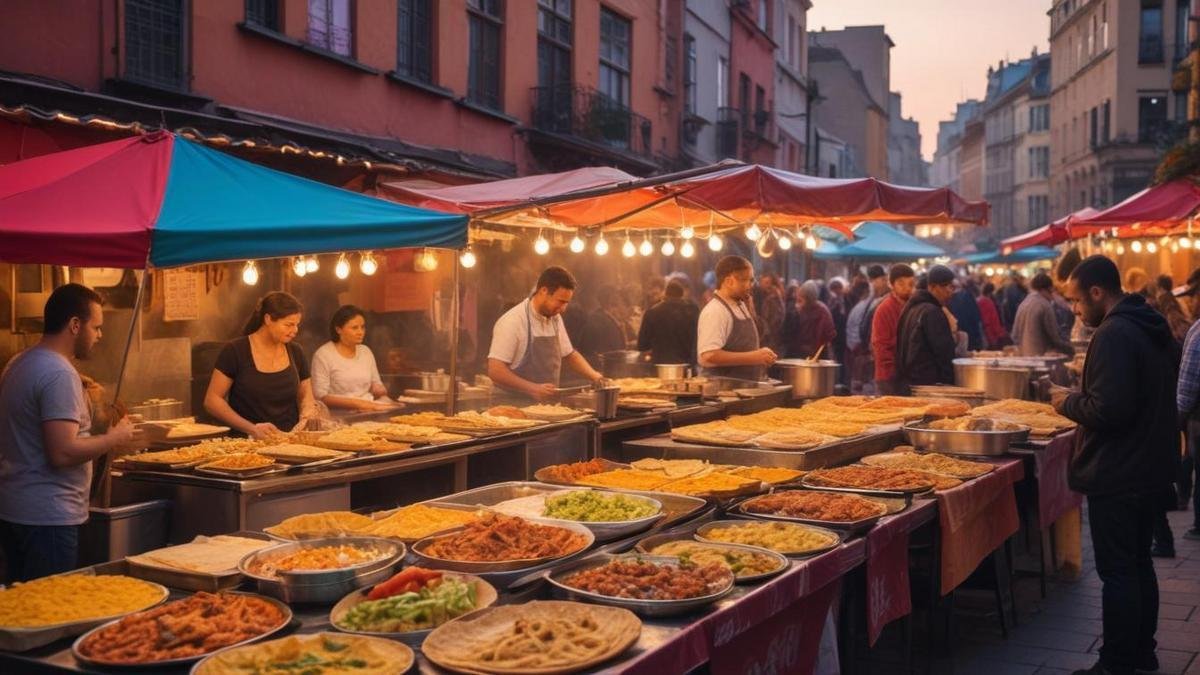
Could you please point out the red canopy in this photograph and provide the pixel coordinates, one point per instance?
(1047, 235)
(721, 197)
(503, 193)
(1151, 212)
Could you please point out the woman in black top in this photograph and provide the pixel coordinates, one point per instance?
(261, 385)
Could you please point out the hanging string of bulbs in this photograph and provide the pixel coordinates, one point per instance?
(309, 264)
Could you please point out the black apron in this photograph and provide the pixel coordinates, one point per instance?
(743, 338)
(542, 360)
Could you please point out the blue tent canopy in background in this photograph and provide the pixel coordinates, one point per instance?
(874, 240)
(1025, 255)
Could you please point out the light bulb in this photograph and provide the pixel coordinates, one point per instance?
(577, 245)
(1165, 240)
(299, 267)
(1174, 247)
(541, 246)
(753, 232)
(714, 243)
(646, 248)
(312, 265)
(342, 269)
(1184, 242)
(250, 273)
(687, 249)
(1196, 243)
(1136, 246)
(601, 246)
(991, 271)
(467, 258)
(1120, 249)
(1152, 247)
(367, 264)
(785, 242)
(766, 245)
(810, 242)
(687, 232)
(628, 249)
(668, 248)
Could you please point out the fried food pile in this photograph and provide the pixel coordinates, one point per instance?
(816, 506)
(498, 537)
(645, 580)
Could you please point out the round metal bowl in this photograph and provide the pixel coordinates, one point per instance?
(808, 379)
(971, 443)
(485, 596)
(649, 608)
(672, 371)
(171, 663)
(835, 537)
(479, 567)
(323, 586)
(603, 530)
(647, 546)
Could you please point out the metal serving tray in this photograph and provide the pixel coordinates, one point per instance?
(833, 454)
(869, 492)
(492, 495)
(648, 608)
(893, 506)
(838, 537)
(543, 476)
(969, 443)
(648, 544)
(192, 581)
(501, 573)
(324, 586)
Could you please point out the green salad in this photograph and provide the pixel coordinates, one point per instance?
(590, 506)
(428, 608)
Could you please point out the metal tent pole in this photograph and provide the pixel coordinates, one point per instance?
(452, 398)
(105, 464)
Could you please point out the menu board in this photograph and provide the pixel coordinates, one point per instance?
(181, 294)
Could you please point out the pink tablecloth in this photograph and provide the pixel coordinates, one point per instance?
(889, 596)
(976, 518)
(1055, 498)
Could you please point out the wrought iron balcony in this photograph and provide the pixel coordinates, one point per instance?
(590, 115)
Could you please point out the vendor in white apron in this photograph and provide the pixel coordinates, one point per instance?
(726, 335)
(530, 342)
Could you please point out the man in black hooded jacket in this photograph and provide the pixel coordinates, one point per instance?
(1127, 450)
(924, 339)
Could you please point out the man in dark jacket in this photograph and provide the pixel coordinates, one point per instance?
(1126, 453)
(964, 308)
(924, 341)
(668, 329)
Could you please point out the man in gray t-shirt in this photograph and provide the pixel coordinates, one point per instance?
(46, 448)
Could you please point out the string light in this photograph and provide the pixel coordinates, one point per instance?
(577, 244)
(425, 261)
(1165, 240)
(668, 247)
(687, 232)
(342, 269)
(645, 248)
(250, 273)
(785, 242)
(601, 245)
(991, 271)
(1120, 249)
(1184, 242)
(753, 232)
(810, 242)
(628, 249)
(766, 245)
(312, 265)
(541, 246)
(1152, 247)
(1136, 246)
(367, 264)
(299, 266)
(687, 249)
(467, 258)
(714, 242)
(1174, 247)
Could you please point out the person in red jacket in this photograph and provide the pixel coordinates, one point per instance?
(884, 325)
(993, 329)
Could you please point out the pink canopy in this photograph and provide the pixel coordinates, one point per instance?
(720, 197)
(504, 193)
(1152, 212)
(1047, 235)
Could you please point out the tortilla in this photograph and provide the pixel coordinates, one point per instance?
(205, 555)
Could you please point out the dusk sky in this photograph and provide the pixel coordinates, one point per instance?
(943, 47)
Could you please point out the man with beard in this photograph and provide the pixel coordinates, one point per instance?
(1126, 453)
(727, 339)
(46, 448)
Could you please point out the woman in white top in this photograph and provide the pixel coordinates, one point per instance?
(344, 374)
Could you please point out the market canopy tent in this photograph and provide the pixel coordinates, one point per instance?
(722, 197)
(163, 200)
(1019, 256)
(1047, 235)
(503, 193)
(1154, 211)
(876, 241)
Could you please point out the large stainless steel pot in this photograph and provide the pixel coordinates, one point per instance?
(437, 382)
(625, 363)
(673, 371)
(808, 379)
(995, 381)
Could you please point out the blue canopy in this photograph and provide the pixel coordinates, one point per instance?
(217, 207)
(874, 240)
(1024, 255)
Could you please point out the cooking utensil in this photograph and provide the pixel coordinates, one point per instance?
(973, 443)
(323, 586)
(673, 371)
(808, 379)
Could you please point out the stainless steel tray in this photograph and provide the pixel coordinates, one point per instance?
(191, 581)
(870, 492)
(970, 443)
(243, 475)
(510, 569)
(170, 663)
(20, 639)
(892, 505)
(492, 495)
(647, 545)
(836, 453)
(649, 608)
(323, 586)
(837, 537)
(541, 475)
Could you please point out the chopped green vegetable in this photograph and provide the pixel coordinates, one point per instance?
(432, 606)
(590, 506)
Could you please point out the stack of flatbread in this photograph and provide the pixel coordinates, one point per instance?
(215, 556)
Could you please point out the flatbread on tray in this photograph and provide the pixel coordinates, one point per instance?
(205, 555)
(546, 637)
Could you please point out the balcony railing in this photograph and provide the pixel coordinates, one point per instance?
(729, 123)
(593, 116)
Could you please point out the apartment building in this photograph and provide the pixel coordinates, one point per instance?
(791, 84)
(1016, 154)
